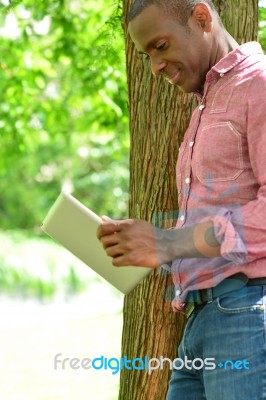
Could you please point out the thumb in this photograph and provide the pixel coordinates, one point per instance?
(106, 219)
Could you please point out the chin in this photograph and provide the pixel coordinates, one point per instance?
(185, 89)
(189, 88)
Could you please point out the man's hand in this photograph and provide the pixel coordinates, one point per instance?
(130, 242)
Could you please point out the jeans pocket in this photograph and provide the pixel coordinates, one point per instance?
(249, 298)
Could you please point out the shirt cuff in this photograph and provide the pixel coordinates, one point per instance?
(232, 243)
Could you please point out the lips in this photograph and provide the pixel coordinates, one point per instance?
(174, 78)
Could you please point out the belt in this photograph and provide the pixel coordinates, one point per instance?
(230, 284)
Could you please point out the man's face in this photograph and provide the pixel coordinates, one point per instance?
(180, 54)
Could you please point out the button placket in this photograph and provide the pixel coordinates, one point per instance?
(187, 171)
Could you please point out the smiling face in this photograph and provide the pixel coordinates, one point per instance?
(182, 54)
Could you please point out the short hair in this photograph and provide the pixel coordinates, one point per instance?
(180, 9)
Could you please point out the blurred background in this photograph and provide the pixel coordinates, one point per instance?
(63, 125)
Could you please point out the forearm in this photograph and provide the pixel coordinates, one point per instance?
(139, 243)
(197, 241)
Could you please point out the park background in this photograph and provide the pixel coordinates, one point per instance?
(63, 125)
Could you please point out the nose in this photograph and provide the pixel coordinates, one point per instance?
(157, 65)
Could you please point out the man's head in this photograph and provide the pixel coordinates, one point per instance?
(180, 37)
(180, 9)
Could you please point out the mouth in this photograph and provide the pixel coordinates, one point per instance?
(174, 78)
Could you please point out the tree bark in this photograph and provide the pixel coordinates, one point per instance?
(159, 116)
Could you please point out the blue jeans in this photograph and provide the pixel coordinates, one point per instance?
(231, 330)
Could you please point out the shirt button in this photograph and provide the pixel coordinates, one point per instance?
(221, 74)
(201, 107)
(187, 180)
(177, 292)
(182, 218)
(191, 144)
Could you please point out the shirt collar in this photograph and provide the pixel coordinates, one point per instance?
(230, 60)
(235, 57)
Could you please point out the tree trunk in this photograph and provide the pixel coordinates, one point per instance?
(159, 116)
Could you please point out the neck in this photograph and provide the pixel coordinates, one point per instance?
(224, 45)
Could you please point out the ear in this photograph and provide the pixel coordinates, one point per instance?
(202, 15)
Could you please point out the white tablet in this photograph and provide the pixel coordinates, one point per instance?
(74, 226)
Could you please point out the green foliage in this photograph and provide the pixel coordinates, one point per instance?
(63, 108)
(262, 27)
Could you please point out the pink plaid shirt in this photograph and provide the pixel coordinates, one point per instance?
(221, 171)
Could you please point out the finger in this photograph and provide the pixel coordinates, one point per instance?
(109, 240)
(110, 226)
(120, 261)
(107, 229)
(106, 219)
(114, 251)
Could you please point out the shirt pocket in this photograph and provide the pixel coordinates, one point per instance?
(219, 153)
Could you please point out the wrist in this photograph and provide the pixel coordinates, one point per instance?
(197, 241)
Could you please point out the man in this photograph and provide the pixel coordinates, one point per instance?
(217, 253)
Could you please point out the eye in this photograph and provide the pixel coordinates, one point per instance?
(161, 46)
